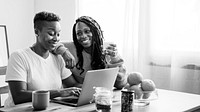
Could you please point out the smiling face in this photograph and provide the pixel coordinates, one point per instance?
(83, 34)
(49, 35)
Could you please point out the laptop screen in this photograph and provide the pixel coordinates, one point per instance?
(94, 78)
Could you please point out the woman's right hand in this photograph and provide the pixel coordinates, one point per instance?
(72, 91)
(111, 50)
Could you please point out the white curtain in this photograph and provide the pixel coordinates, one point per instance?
(159, 38)
(174, 43)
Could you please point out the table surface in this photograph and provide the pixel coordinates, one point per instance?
(168, 101)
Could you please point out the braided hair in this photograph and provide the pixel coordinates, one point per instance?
(98, 58)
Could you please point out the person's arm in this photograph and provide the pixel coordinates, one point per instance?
(71, 82)
(121, 79)
(65, 53)
(114, 60)
(20, 94)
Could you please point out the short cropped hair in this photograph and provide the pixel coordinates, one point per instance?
(44, 16)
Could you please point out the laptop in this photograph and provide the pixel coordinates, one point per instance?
(93, 78)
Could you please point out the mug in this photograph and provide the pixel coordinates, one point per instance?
(40, 99)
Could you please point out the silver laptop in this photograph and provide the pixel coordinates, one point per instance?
(93, 78)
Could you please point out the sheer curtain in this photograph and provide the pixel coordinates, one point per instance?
(174, 43)
(159, 38)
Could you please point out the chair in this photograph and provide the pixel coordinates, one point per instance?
(3, 70)
(3, 90)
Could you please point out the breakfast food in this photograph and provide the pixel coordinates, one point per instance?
(138, 91)
(146, 95)
(134, 78)
(141, 87)
(148, 85)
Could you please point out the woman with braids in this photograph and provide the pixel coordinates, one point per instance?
(87, 50)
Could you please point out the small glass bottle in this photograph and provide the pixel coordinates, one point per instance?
(103, 99)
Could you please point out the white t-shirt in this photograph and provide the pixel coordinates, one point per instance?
(39, 73)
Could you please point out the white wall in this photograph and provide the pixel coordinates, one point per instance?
(65, 9)
(17, 16)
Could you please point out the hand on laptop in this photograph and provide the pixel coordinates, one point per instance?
(72, 91)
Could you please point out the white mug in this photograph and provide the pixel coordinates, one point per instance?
(40, 99)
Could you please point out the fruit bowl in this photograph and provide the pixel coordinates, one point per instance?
(145, 98)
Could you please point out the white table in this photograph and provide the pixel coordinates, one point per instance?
(168, 101)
